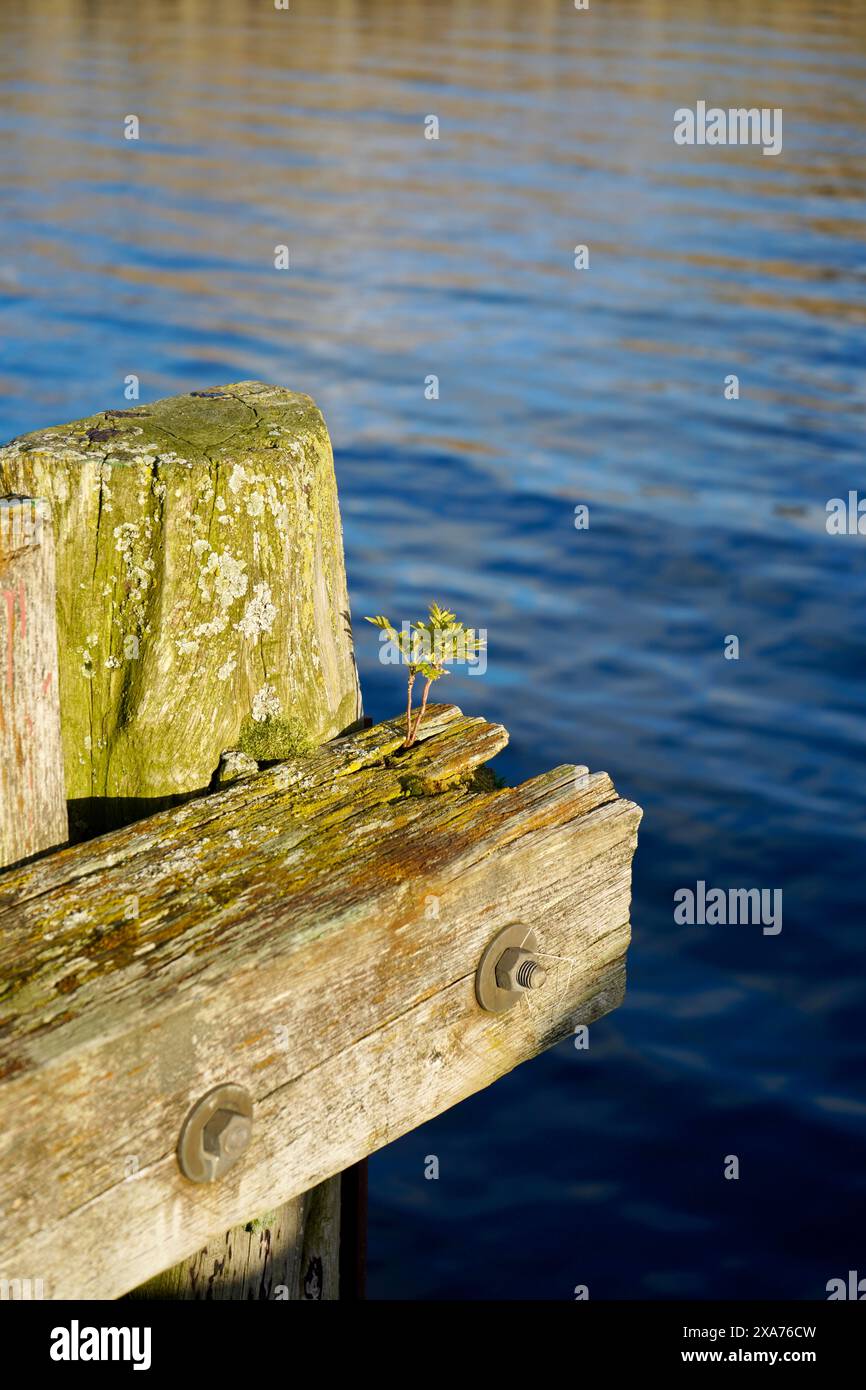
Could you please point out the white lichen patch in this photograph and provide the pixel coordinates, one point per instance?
(266, 704)
(237, 479)
(229, 579)
(125, 537)
(180, 859)
(77, 919)
(226, 669)
(259, 615)
(213, 628)
(133, 541)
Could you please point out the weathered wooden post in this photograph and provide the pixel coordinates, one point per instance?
(201, 590)
(202, 606)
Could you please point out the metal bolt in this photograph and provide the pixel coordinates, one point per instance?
(215, 1133)
(227, 1134)
(508, 968)
(518, 969)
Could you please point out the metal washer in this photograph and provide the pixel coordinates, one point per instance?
(192, 1159)
(487, 991)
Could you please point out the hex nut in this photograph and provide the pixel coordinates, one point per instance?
(227, 1134)
(215, 1133)
(518, 969)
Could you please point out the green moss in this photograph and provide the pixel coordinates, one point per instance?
(261, 1223)
(484, 779)
(480, 779)
(413, 785)
(274, 739)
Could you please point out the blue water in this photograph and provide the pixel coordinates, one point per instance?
(557, 387)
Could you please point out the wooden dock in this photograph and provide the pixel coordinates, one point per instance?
(308, 933)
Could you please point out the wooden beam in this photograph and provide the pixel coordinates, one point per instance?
(311, 933)
(32, 796)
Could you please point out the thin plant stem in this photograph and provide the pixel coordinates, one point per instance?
(409, 709)
(424, 694)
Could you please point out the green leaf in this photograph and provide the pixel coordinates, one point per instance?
(426, 645)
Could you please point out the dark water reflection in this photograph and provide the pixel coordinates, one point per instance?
(411, 257)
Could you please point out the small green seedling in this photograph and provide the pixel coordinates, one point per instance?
(425, 647)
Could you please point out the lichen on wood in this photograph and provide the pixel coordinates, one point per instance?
(201, 586)
(312, 932)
